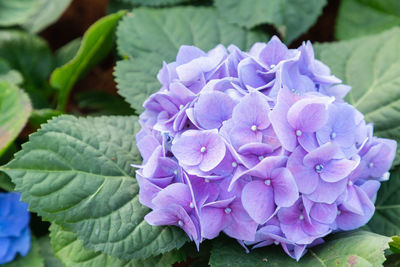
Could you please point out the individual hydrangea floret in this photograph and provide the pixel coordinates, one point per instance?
(15, 236)
(259, 145)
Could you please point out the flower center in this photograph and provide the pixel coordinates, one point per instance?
(234, 164)
(339, 212)
(176, 172)
(298, 133)
(181, 106)
(267, 182)
(191, 205)
(272, 66)
(228, 210)
(350, 183)
(333, 135)
(254, 128)
(370, 165)
(319, 168)
(261, 157)
(207, 180)
(276, 242)
(180, 223)
(301, 217)
(203, 149)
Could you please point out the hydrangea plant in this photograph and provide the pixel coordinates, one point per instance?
(259, 145)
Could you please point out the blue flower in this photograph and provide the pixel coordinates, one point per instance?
(15, 237)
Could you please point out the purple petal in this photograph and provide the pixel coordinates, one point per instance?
(176, 193)
(284, 131)
(212, 222)
(285, 188)
(212, 109)
(336, 170)
(258, 201)
(306, 178)
(324, 213)
(328, 192)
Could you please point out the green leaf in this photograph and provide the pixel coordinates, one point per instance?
(46, 251)
(16, 11)
(8, 74)
(72, 252)
(154, 2)
(362, 17)
(371, 65)
(395, 244)
(290, 18)
(356, 249)
(5, 182)
(46, 13)
(76, 172)
(33, 259)
(31, 56)
(150, 36)
(40, 116)
(386, 219)
(15, 109)
(67, 52)
(96, 44)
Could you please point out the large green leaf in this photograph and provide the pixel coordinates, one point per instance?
(291, 18)
(33, 259)
(72, 252)
(31, 56)
(96, 44)
(150, 36)
(356, 249)
(362, 17)
(15, 108)
(386, 219)
(371, 65)
(46, 13)
(16, 11)
(76, 172)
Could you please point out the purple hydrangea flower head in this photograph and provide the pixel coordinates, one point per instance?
(259, 145)
(15, 236)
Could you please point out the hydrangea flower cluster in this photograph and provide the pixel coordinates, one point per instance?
(258, 145)
(15, 236)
